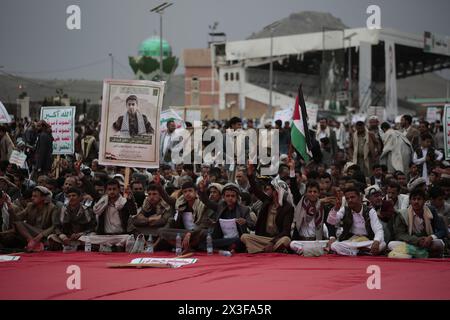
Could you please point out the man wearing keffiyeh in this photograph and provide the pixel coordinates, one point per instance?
(308, 223)
(36, 222)
(133, 123)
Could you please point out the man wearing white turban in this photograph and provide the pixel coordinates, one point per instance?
(36, 222)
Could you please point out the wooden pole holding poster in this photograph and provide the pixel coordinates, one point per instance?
(127, 177)
(58, 161)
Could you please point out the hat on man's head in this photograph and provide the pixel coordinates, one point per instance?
(118, 176)
(231, 187)
(369, 191)
(46, 192)
(416, 183)
(347, 166)
(183, 179)
(218, 186)
(141, 177)
(188, 185)
(20, 142)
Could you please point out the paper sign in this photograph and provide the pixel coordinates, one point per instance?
(284, 115)
(312, 110)
(229, 228)
(432, 114)
(9, 258)
(447, 131)
(173, 262)
(62, 120)
(188, 220)
(18, 158)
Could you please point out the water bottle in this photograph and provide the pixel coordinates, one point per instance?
(178, 249)
(129, 244)
(88, 245)
(149, 248)
(225, 253)
(139, 244)
(209, 244)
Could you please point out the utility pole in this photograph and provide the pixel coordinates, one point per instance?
(349, 38)
(112, 65)
(160, 10)
(271, 27)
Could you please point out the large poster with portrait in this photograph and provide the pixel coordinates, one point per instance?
(129, 135)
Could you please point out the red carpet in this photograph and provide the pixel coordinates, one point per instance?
(259, 277)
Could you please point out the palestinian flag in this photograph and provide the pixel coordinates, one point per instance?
(300, 136)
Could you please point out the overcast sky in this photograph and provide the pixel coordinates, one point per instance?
(34, 38)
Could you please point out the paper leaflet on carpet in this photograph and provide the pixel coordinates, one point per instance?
(173, 262)
(9, 258)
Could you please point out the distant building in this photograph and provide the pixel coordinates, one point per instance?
(312, 49)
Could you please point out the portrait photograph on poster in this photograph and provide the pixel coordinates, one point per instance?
(226, 159)
(130, 123)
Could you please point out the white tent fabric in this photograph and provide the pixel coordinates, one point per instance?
(4, 115)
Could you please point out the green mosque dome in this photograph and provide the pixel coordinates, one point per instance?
(151, 48)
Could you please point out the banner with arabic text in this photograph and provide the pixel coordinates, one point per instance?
(62, 120)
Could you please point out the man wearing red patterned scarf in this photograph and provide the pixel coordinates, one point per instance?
(308, 219)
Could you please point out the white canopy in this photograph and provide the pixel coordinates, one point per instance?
(4, 115)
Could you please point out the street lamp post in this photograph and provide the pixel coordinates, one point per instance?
(271, 27)
(271, 73)
(112, 65)
(160, 10)
(349, 38)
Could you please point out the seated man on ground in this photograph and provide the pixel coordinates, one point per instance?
(308, 219)
(75, 221)
(273, 226)
(8, 238)
(63, 196)
(419, 226)
(113, 212)
(192, 220)
(228, 210)
(362, 230)
(437, 201)
(401, 201)
(155, 214)
(214, 192)
(36, 222)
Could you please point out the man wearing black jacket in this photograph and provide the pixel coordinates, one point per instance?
(228, 208)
